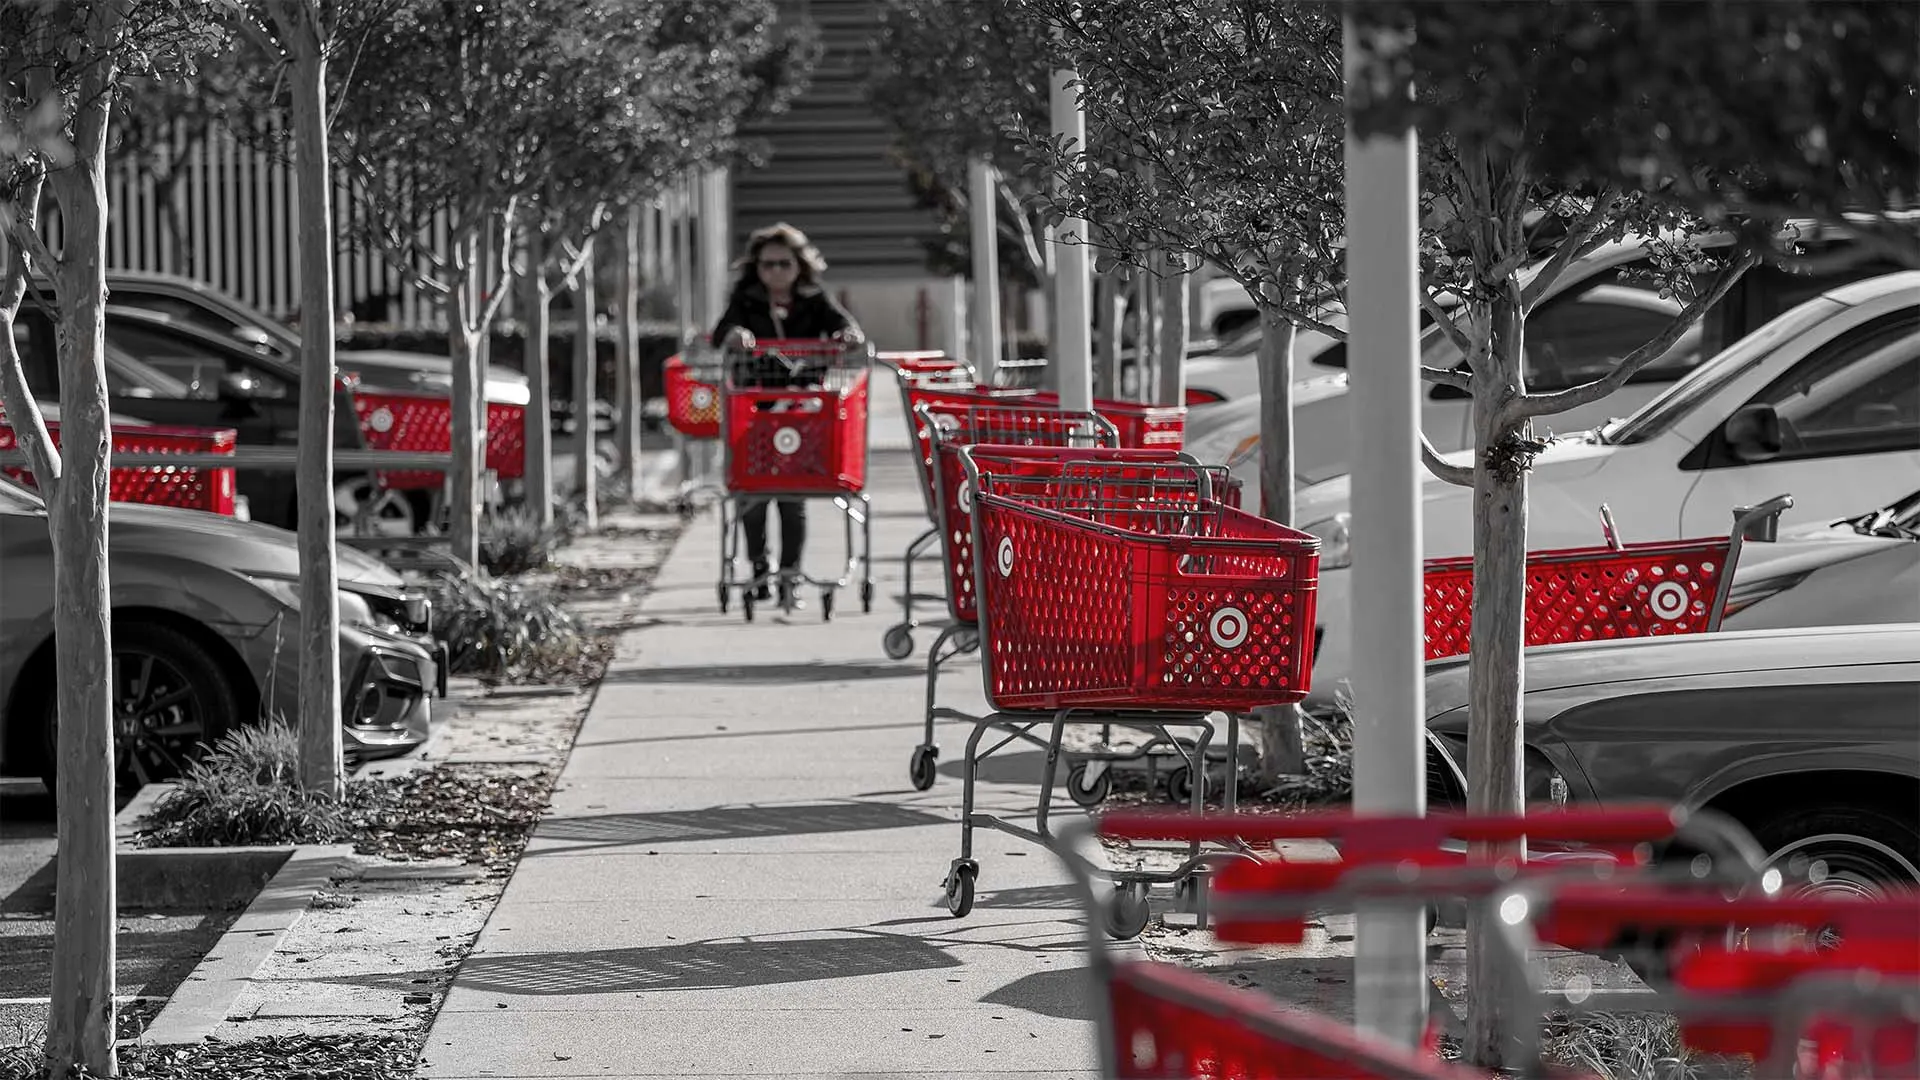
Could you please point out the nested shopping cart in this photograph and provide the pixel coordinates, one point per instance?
(794, 422)
(1130, 594)
(1750, 967)
(1603, 592)
(189, 487)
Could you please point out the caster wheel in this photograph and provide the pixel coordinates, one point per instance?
(826, 605)
(1127, 912)
(898, 642)
(866, 597)
(1086, 792)
(921, 769)
(1180, 786)
(960, 889)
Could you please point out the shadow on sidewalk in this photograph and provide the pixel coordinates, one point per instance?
(782, 674)
(726, 823)
(701, 965)
(1061, 994)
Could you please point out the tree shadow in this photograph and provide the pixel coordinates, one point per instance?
(1021, 767)
(785, 674)
(718, 965)
(1032, 898)
(1062, 994)
(726, 823)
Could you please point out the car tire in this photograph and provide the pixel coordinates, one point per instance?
(176, 662)
(1851, 849)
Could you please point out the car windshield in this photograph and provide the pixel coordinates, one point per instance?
(1660, 414)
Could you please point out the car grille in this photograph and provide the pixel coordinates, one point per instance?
(1444, 790)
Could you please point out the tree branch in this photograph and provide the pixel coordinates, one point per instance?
(1570, 248)
(1460, 475)
(1444, 320)
(1459, 380)
(1529, 406)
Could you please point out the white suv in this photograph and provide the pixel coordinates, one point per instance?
(1822, 403)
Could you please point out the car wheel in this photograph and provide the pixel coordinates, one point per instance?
(170, 700)
(388, 513)
(1842, 851)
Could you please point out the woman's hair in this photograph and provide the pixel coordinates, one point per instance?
(804, 253)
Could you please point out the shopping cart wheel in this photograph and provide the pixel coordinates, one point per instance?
(960, 887)
(1179, 785)
(1127, 912)
(921, 769)
(866, 604)
(898, 643)
(1086, 792)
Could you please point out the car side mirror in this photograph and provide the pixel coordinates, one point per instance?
(1753, 433)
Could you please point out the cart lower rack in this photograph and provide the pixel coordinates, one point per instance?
(1124, 593)
(794, 422)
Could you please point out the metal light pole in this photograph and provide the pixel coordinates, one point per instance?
(1072, 303)
(983, 216)
(1390, 987)
(716, 240)
(684, 292)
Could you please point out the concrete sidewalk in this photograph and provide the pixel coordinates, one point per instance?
(735, 878)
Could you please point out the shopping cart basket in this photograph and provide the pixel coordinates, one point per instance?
(1612, 591)
(794, 424)
(1585, 881)
(691, 381)
(1125, 594)
(187, 486)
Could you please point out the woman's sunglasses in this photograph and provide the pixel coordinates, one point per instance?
(776, 264)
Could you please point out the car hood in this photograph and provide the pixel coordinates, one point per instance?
(1216, 431)
(380, 367)
(246, 547)
(1559, 667)
(1562, 459)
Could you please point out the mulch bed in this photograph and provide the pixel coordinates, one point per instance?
(364, 1057)
(479, 814)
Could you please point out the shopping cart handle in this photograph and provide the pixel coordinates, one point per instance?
(1399, 834)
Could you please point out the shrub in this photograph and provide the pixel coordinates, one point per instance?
(1629, 1046)
(513, 541)
(1327, 743)
(244, 790)
(502, 630)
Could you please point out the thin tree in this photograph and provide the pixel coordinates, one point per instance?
(63, 65)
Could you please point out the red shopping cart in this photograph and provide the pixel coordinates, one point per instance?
(1587, 881)
(793, 418)
(1611, 591)
(1130, 594)
(423, 423)
(189, 487)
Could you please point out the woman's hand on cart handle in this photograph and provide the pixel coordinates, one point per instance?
(738, 337)
(849, 335)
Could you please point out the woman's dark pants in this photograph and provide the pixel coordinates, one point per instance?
(793, 533)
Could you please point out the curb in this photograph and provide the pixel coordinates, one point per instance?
(203, 1000)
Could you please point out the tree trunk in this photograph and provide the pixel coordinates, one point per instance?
(1146, 333)
(1495, 678)
(1173, 339)
(1112, 300)
(320, 765)
(585, 371)
(80, 1018)
(539, 415)
(16, 398)
(626, 381)
(463, 339)
(1280, 745)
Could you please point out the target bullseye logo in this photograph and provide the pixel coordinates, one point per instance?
(1228, 627)
(786, 440)
(381, 420)
(1668, 600)
(702, 397)
(1004, 556)
(966, 497)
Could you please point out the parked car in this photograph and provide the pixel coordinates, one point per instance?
(205, 639)
(200, 304)
(1858, 570)
(1810, 738)
(1822, 403)
(165, 373)
(1596, 313)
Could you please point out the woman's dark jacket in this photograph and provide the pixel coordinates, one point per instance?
(813, 314)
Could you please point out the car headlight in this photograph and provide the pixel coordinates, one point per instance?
(1336, 540)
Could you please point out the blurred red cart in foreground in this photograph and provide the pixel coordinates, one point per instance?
(186, 486)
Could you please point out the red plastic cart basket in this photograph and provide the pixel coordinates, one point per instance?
(405, 420)
(799, 441)
(188, 487)
(1135, 587)
(692, 388)
(1601, 593)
